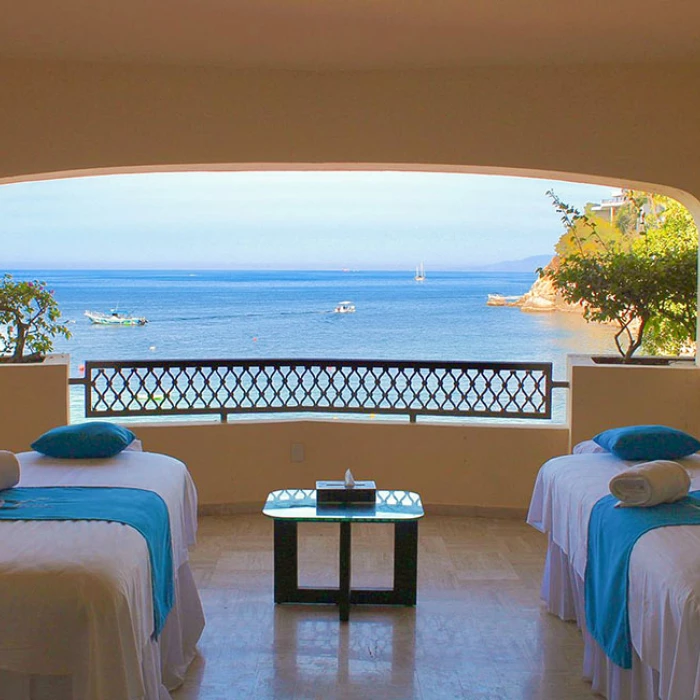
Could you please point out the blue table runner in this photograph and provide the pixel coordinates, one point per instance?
(145, 511)
(612, 533)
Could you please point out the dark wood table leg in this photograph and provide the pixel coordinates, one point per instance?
(405, 562)
(344, 582)
(287, 588)
(286, 577)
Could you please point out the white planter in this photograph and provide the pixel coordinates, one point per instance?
(34, 399)
(603, 396)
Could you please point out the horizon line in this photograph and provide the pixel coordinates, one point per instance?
(476, 268)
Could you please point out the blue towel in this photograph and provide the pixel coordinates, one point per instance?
(612, 532)
(145, 511)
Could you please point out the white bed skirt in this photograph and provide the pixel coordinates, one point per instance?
(164, 662)
(563, 592)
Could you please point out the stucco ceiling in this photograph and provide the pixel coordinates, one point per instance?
(353, 34)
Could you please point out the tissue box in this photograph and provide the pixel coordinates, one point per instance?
(334, 492)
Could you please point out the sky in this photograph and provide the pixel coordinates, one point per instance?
(281, 220)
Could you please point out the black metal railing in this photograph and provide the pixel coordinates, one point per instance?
(225, 387)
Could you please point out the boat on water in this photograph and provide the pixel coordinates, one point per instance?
(345, 307)
(501, 300)
(420, 273)
(114, 318)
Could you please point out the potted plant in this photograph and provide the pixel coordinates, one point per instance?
(29, 320)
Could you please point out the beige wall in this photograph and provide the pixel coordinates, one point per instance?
(478, 468)
(610, 396)
(467, 468)
(33, 399)
(627, 123)
(631, 124)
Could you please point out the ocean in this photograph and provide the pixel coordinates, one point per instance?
(219, 314)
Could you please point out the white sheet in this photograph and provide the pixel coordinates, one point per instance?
(664, 589)
(75, 597)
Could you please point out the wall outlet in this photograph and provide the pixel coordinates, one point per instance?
(297, 452)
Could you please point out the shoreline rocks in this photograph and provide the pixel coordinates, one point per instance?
(541, 297)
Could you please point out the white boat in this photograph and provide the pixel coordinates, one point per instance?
(501, 300)
(420, 273)
(345, 307)
(114, 318)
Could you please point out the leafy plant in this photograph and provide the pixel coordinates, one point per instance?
(29, 320)
(586, 233)
(644, 282)
(672, 235)
(617, 286)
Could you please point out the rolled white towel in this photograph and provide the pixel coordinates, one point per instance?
(9, 470)
(651, 483)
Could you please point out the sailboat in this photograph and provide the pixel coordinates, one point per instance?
(420, 273)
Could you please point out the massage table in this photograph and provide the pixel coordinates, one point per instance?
(664, 581)
(76, 605)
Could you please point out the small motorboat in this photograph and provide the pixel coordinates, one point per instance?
(114, 318)
(345, 307)
(501, 300)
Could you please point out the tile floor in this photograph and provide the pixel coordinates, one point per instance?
(479, 631)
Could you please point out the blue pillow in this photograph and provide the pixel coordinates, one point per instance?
(84, 441)
(647, 442)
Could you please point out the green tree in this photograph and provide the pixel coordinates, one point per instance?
(589, 234)
(613, 286)
(644, 282)
(29, 320)
(671, 234)
(627, 219)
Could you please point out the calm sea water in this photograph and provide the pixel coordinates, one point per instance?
(267, 314)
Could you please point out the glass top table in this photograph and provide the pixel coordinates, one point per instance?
(300, 505)
(288, 507)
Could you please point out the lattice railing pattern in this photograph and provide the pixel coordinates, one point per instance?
(191, 387)
(386, 500)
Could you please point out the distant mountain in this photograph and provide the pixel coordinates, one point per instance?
(525, 265)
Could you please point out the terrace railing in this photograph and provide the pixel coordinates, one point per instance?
(226, 387)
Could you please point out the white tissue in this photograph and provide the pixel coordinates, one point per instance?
(9, 470)
(349, 480)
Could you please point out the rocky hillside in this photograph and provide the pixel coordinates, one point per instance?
(542, 296)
